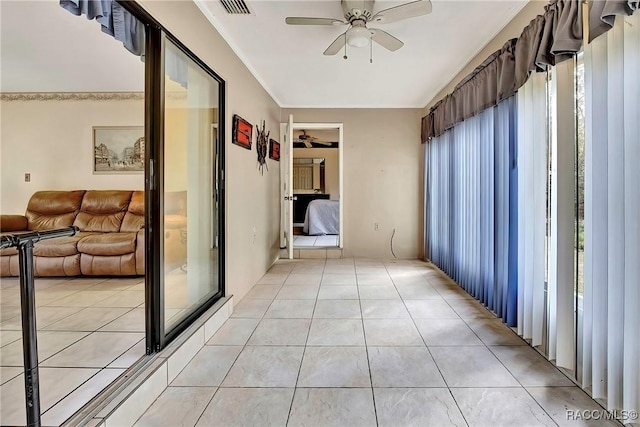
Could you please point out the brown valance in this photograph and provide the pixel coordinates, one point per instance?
(602, 14)
(549, 39)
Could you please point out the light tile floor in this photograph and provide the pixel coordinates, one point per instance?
(90, 330)
(328, 241)
(362, 343)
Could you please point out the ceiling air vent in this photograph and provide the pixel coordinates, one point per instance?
(236, 7)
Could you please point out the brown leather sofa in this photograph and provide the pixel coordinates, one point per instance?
(110, 241)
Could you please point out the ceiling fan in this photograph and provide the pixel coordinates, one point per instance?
(309, 140)
(357, 14)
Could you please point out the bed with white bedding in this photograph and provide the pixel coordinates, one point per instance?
(322, 217)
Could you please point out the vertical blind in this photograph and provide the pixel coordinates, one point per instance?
(546, 155)
(499, 219)
(471, 224)
(611, 342)
(532, 200)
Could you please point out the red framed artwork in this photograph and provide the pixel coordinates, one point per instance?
(242, 132)
(274, 150)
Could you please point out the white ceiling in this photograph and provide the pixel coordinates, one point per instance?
(44, 48)
(289, 63)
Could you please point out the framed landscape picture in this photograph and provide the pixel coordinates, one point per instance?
(118, 149)
(242, 132)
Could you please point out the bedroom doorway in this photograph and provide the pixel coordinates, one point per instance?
(311, 177)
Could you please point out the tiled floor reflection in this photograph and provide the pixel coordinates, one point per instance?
(363, 343)
(90, 330)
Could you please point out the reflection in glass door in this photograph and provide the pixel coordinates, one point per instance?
(192, 261)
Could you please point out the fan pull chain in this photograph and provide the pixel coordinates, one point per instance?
(345, 46)
(370, 50)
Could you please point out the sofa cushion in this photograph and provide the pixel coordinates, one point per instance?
(9, 265)
(121, 265)
(53, 209)
(9, 251)
(57, 266)
(60, 246)
(108, 244)
(103, 210)
(134, 218)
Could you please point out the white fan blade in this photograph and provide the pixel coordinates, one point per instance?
(296, 20)
(308, 144)
(385, 39)
(404, 11)
(327, 143)
(337, 44)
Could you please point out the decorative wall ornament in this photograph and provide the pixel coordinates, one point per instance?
(262, 144)
(274, 150)
(72, 96)
(242, 132)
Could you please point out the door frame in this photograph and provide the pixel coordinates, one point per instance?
(288, 157)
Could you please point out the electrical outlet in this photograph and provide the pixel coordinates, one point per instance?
(376, 226)
(27, 177)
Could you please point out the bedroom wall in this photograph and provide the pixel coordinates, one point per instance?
(331, 173)
(382, 176)
(253, 200)
(53, 141)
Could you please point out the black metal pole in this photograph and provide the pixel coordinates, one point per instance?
(6, 241)
(29, 333)
(25, 242)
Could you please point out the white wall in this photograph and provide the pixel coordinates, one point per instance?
(331, 167)
(53, 141)
(252, 199)
(382, 178)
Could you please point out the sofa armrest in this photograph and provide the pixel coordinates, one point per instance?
(13, 223)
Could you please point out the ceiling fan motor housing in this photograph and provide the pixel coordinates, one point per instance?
(358, 13)
(357, 10)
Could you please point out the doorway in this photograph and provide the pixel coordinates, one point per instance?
(312, 186)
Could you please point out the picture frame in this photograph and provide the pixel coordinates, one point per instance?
(274, 150)
(242, 132)
(118, 150)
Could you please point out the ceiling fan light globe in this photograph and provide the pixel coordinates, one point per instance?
(358, 37)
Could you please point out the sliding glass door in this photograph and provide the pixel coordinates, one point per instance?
(191, 258)
(185, 112)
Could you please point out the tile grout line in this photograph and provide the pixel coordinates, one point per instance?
(366, 347)
(492, 353)
(429, 350)
(304, 350)
(99, 368)
(241, 350)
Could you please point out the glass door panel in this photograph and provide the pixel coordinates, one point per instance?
(191, 250)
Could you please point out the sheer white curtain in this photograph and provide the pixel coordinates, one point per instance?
(532, 182)
(611, 340)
